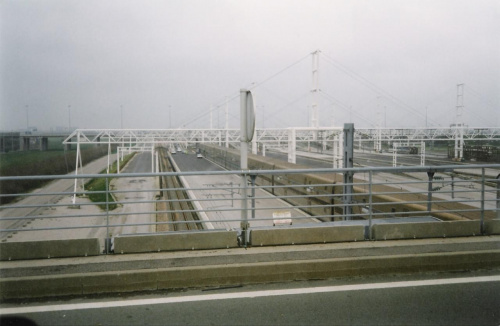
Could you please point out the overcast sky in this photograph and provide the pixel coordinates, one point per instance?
(166, 63)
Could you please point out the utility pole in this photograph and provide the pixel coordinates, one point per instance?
(459, 123)
(169, 117)
(315, 89)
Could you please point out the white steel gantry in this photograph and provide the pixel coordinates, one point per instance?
(284, 138)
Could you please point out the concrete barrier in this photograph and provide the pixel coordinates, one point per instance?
(304, 235)
(240, 273)
(492, 227)
(175, 241)
(49, 249)
(426, 230)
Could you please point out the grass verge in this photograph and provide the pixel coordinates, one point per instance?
(97, 187)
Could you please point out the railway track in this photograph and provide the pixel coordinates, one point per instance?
(179, 206)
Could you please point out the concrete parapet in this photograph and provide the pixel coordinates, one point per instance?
(175, 241)
(49, 249)
(240, 273)
(426, 230)
(492, 227)
(304, 235)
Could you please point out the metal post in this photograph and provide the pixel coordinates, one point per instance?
(109, 154)
(430, 175)
(118, 160)
(482, 200)
(227, 123)
(292, 146)
(370, 203)
(76, 165)
(452, 186)
(252, 178)
(108, 238)
(395, 154)
(153, 159)
(243, 164)
(422, 153)
(348, 164)
(498, 196)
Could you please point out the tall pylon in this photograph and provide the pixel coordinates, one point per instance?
(315, 89)
(459, 123)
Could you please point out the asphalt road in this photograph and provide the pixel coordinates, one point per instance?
(188, 162)
(57, 186)
(465, 298)
(140, 164)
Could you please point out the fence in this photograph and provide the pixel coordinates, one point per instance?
(284, 206)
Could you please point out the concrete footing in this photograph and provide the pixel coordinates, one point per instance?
(426, 230)
(492, 227)
(49, 249)
(175, 270)
(175, 241)
(303, 235)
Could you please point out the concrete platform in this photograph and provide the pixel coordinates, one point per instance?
(212, 268)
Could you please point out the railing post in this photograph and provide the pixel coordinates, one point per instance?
(347, 164)
(482, 200)
(498, 196)
(452, 186)
(244, 211)
(107, 241)
(430, 175)
(252, 178)
(370, 203)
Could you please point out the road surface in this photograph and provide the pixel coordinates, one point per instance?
(465, 298)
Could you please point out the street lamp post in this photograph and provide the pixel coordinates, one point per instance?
(69, 118)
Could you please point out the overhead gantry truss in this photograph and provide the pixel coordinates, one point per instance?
(222, 136)
(148, 139)
(425, 134)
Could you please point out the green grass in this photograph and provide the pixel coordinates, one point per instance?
(19, 159)
(97, 187)
(31, 163)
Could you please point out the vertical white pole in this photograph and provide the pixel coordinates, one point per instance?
(334, 151)
(292, 146)
(227, 122)
(254, 145)
(211, 117)
(422, 154)
(109, 154)
(118, 160)
(152, 159)
(157, 162)
(243, 162)
(395, 154)
(76, 165)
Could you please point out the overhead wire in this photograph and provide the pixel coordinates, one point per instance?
(345, 107)
(237, 94)
(370, 85)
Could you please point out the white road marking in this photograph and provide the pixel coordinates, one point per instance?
(244, 295)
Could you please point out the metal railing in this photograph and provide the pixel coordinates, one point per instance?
(276, 198)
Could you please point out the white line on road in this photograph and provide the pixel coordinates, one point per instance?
(248, 294)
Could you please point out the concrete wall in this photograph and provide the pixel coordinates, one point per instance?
(426, 230)
(49, 249)
(176, 241)
(320, 234)
(492, 227)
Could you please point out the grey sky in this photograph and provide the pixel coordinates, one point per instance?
(161, 59)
